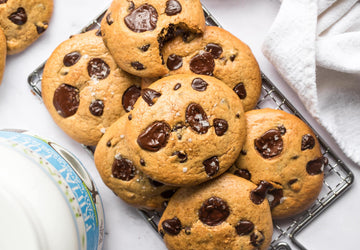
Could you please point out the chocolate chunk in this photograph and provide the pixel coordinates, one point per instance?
(155, 183)
(137, 65)
(214, 49)
(181, 155)
(155, 136)
(71, 58)
(243, 173)
(131, 6)
(172, 226)
(243, 152)
(66, 100)
(130, 117)
(145, 48)
(109, 19)
(199, 84)
(173, 7)
(187, 230)
(221, 126)
(275, 196)
(174, 62)
(96, 107)
(123, 169)
(214, 211)
(197, 118)
(203, 64)
(316, 166)
(98, 32)
(142, 162)
(257, 238)
(3, 1)
(18, 17)
(292, 181)
(168, 193)
(307, 142)
(257, 196)
(294, 157)
(270, 144)
(41, 29)
(98, 69)
(141, 19)
(177, 86)
(108, 144)
(237, 115)
(211, 166)
(282, 129)
(232, 57)
(129, 97)
(244, 227)
(240, 90)
(150, 96)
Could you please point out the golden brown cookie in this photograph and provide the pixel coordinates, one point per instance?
(186, 129)
(23, 21)
(218, 214)
(120, 173)
(220, 54)
(134, 31)
(84, 90)
(281, 155)
(2, 53)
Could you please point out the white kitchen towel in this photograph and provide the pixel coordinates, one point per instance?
(315, 46)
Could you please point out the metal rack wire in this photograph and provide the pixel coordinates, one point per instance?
(337, 176)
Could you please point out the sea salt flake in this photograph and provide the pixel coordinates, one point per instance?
(185, 170)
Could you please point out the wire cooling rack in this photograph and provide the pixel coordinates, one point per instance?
(337, 177)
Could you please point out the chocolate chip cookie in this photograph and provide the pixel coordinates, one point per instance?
(218, 214)
(120, 173)
(134, 31)
(220, 54)
(2, 53)
(281, 155)
(186, 129)
(84, 90)
(23, 21)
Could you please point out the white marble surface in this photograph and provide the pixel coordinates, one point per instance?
(337, 228)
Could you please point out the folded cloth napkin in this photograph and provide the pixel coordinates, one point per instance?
(315, 46)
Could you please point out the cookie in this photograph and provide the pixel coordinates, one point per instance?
(2, 53)
(84, 90)
(120, 173)
(134, 31)
(218, 214)
(186, 129)
(220, 54)
(23, 22)
(282, 155)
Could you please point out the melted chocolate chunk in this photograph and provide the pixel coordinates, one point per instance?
(276, 195)
(109, 19)
(172, 226)
(155, 183)
(270, 144)
(66, 100)
(71, 58)
(108, 144)
(141, 19)
(243, 173)
(150, 96)
(257, 196)
(282, 129)
(240, 90)
(292, 181)
(123, 169)
(294, 157)
(41, 29)
(18, 17)
(243, 152)
(182, 156)
(177, 86)
(211, 166)
(142, 162)
(244, 227)
(3, 1)
(237, 115)
(129, 97)
(257, 238)
(145, 47)
(214, 49)
(214, 211)
(197, 118)
(168, 193)
(307, 142)
(232, 57)
(155, 136)
(221, 126)
(96, 107)
(187, 230)
(137, 65)
(174, 62)
(173, 7)
(130, 117)
(98, 69)
(199, 84)
(316, 166)
(203, 64)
